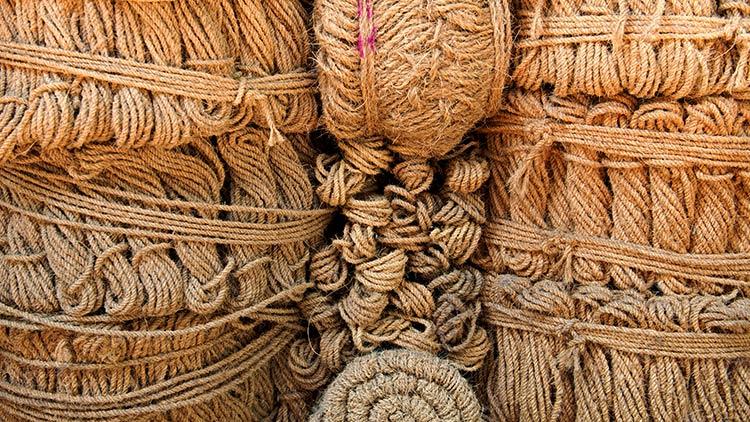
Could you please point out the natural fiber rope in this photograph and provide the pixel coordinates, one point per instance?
(187, 389)
(579, 29)
(631, 340)
(420, 75)
(164, 225)
(154, 78)
(637, 193)
(263, 311)
(143, 73)
(594, 353)
(398, 385)
(723, 269)
(400, 85)
(675, 49)
(646, 147)
(155, 163)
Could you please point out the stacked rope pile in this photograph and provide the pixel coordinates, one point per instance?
(158, 211)
(400, 85)
(619, 192)
(643, 48)
(593, 353)
(648, 195)
(399, 385)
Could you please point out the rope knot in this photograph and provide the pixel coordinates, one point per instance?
(566, 330)
(540, 132)
(733, 30)
(569, 357)
(618, 34)
(537, 23)
(563, 248)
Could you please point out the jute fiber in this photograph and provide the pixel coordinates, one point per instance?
(401, 83)
(184, 367)
(659, 48)
(632, 194)
(398, 273)
(591, 353)
(418, 73)
(154, 165)
(398, 385)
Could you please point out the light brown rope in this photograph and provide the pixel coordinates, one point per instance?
(595, 353)
(637, 193)
(675, 49)
(647, 147)
(420, 75)
(398, 385)
(725, 269)
(164, 225)
(631, 340)
(189, 388)
(158, 207)
(152, 77)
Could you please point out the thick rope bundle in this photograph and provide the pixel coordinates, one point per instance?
(154, 163)
(147, 73)
(398, 274)
(590, 353)
(650, 194)
(400, 86)
(181, 367)
(675, 48)
(398, 385)
(419, 74)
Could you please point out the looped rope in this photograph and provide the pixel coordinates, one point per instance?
(188, 388)
(149, 223)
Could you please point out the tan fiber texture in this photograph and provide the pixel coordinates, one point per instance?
(675, 48)
(182, 367)
(140, 73)
(398, 273)
(400, 85)
(398, 385)
(650, 194)
(418, 73)
(155, 165)
(589, 353)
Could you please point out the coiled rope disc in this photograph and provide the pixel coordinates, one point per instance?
(398, 385)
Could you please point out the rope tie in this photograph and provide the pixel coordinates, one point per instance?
(539, 132)
(563, 249)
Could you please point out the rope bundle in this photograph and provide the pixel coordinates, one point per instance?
(143, 73)
(619, 212)
(419, 74)
(154, 169)
(400, 85)
(398, 385)
(642, 195)
(601, 354)
(675, 49)
(177, 367)
(398, 274)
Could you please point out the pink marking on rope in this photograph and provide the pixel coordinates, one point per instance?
(360, 46)
(371, 38)
(363, 44)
